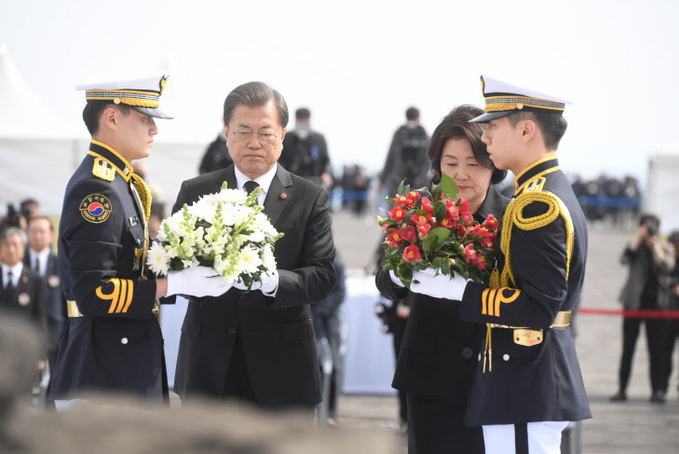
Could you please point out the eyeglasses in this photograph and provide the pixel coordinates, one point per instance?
(246, 136)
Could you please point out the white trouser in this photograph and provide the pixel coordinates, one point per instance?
(63, 405)
(544, 437)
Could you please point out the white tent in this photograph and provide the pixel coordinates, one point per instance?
(36, 146)
(39, 151)
(662, 187)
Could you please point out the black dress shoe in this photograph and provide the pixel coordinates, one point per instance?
(620, 396)
(658, 397)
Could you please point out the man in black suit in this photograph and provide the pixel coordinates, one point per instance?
(42, 260)
(305, 151)
(21, 289)
(259, 346)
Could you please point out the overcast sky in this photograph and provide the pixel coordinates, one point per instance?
(359, 64)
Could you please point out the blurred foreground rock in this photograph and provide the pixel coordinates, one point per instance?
(21, 346)
(199, 428)
(121, 424)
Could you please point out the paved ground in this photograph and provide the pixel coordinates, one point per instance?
(636, 426)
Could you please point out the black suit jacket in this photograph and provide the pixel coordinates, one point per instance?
(28, 299)
(277, 333)
(439, 352)
(56, 302)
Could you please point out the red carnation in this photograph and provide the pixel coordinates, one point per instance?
(413, 196)
(408, 234)
(452, 212)
(395, 238)
(447, 223)
(397, 214)
(421, 218)
(412, 253)
(403, 201)
(491, 222)
(426, 205)
(423, 229)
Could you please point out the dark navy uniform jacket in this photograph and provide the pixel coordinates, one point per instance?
(540, 382)
(116, 344)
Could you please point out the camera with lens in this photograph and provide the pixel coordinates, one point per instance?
(652, 230)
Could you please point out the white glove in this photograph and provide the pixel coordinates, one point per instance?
(396, 281)
(198, 281)
(426, 282)
(268, 286)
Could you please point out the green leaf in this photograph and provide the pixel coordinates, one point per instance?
(440, 211)
(403, 188)
(449, 187)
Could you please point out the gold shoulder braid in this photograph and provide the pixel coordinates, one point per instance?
(514, 217)
(514, 214)
(144, 193)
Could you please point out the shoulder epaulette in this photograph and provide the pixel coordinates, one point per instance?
(103, 169)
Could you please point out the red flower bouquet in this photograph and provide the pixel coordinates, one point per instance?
(434, 228)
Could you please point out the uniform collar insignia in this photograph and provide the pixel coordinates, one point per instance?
(535, 171)
(103, 152)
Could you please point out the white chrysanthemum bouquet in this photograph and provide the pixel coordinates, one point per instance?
(226, 230)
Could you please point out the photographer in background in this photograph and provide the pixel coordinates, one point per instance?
(648, 260)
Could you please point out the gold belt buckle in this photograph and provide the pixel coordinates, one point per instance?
(528, 337)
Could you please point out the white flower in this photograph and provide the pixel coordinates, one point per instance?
(240, 246)
(268, 259)
(262, 223)
(249, 259)
(158, 259)
(203, 211)
(256, 236)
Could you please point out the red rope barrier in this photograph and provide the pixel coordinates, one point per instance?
(629, 313)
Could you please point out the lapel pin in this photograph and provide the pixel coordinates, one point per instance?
(284, 195)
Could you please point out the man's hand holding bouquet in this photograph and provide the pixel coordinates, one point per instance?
(223, 235)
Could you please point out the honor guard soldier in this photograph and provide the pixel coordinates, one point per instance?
(528, 384)
(113, 342)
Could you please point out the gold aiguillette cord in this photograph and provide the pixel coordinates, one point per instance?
(488, 352)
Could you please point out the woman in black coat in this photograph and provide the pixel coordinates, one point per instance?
(439, 352)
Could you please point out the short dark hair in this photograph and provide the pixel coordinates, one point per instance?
(302, 113)
(93, 110)
(255, 94)
(412, 113)
(456, 125)
(37, 218)
(552, 125)
(645, 217)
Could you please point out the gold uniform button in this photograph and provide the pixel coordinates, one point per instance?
(124, 341)
(505, 357)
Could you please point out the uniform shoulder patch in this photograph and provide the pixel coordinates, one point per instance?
(95, 208)
(103, 169)
(536, 184)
